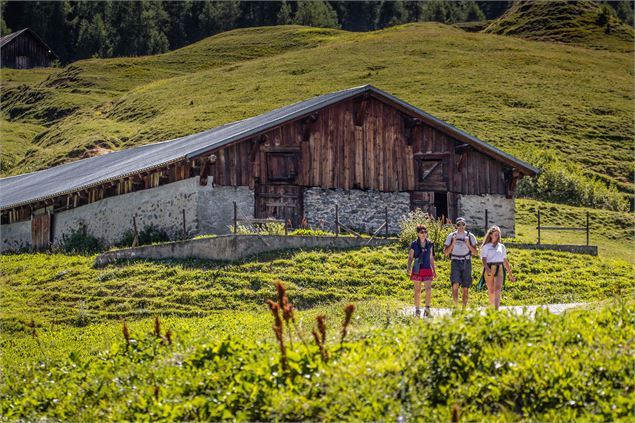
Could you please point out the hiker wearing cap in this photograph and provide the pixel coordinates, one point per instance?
(494, 257)
(460, 245)
(421, 268)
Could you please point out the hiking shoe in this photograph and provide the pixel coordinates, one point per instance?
(417, 312)
(426, 312)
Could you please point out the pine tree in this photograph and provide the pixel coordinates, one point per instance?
(625, 12)
(316, 13)
(91, 38)
(472, 12)
(216, 17)
(284, 14)
(4, 29)
(392, 13)
(179, 14)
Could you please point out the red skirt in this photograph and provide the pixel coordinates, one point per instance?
(424, 275)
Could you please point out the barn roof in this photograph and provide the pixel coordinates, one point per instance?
(10, 37)
(72, 177)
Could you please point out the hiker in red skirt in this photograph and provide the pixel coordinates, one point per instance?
(421, 268)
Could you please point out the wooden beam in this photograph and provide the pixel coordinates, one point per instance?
(204, 171)
(359, 110)
(306, 125)
(431, 156)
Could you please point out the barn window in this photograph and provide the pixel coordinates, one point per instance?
(428, 169)
(282, 167)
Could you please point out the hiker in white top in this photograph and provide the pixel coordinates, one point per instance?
(494, 257)
(460, 245)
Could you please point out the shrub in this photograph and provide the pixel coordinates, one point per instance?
(268, 228)
(311, 232)
(150, 234)
(438, 229)
(566, 182)
(80, 241)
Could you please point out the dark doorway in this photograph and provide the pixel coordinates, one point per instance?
(441, 204)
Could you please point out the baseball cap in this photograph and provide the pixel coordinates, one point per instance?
(460, 220)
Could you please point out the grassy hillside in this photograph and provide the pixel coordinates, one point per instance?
(582, 23)
(492, 367)
(611, 231)
(64, 289)
(222, 361)
(514, 93)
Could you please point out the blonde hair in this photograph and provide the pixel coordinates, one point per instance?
(488, 235)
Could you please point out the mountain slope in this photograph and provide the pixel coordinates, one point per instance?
(582, 23)
(519, 95)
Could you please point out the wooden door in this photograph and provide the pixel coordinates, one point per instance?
(41, 231)
(423, 200)
(280, 201)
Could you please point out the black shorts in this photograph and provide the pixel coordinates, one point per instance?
(461, 272)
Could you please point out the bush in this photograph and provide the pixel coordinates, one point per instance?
(150, 234)
(81, 242)
(313, 232)
(438, 229)
(268, 228)
(566, 183)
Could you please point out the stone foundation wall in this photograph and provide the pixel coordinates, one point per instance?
(110, 218)
(15, 236)
(207, 210)
(500, 212)
(359, 210)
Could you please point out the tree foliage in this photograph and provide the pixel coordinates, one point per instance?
(82, 29)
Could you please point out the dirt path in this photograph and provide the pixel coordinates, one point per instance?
(528, 310)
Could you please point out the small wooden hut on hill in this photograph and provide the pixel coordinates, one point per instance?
(24, 49)
(361, 148)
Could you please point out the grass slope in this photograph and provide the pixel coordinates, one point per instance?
(492, 367)
(60, 289)
(574, 22)
(514, 93)
(611, 231)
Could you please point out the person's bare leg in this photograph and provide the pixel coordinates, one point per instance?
(428, 285)
(455, 293)
(417, 295)
(499, 288)
(490, 289)
(466, 293)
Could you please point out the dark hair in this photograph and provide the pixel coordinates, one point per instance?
(420, 228)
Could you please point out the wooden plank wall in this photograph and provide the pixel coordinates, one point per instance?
(25, 45)
(375, 155)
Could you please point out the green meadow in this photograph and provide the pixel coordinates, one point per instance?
(183, 340)
(214, 355)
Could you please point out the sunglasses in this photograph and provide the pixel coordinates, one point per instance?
(423, 231)
(460, 224)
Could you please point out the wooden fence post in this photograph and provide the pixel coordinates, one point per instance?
(337, 220)
(235, 219)
(135, 238)
(587, 228)
(184, 230)
(538, 225)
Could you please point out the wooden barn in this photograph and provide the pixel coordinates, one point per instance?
(361, 149)
(24, 49)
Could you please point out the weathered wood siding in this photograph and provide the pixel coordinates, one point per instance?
(25, 52)
(380, 154)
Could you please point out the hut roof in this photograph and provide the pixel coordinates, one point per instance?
(82, 174)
